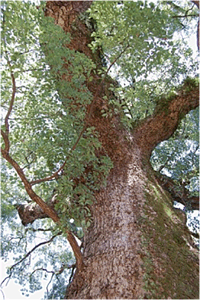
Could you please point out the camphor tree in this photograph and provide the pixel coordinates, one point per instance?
(99, 138)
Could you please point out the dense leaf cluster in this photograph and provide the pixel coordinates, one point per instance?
(156, 58)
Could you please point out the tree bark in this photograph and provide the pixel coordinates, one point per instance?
(138, 245)
(162, 124)
(178, 192)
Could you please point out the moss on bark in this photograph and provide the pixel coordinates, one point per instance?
(171, 262)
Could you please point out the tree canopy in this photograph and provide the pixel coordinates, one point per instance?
(143, 49)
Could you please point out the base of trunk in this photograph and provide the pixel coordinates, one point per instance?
(137, 246)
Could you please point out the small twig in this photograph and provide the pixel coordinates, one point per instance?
(115, 60)
(42, 269)
(38, 245)
(12, 97)
(2, 294)
(162, 166)
(194, 234)
(39, 229)
(45, 270)
(31, 251)
(52, 275)
(72, 274)
(63, 267)
(30, 70)
(185, 16)
(54, 175)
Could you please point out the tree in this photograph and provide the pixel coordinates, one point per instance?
(83, 140)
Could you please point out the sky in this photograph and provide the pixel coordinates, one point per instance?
(12, 290)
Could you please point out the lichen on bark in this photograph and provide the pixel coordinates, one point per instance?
(171, 261)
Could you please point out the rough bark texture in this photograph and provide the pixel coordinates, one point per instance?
(162, 124)
(179, 193)
(137, 246)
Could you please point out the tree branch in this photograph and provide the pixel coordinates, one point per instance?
(178, 192)
(28, 213)
(45, 207)
(185, 16)
(196, 2)
(167, 115)
(13, 91)
(54, 273)
(6, 141)
(27, 254)
(195, 234)
(5, 153)
(11, 102)
(49, 211)
(48, 178)
(6, 133)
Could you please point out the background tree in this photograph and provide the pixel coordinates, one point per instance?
(84, 105)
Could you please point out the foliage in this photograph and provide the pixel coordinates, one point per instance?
(178, 156)
(156, 58)
(45, 123)
(48, 114)
(46, 267)
(49, 110)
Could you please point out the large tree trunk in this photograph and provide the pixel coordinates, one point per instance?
(138, 245)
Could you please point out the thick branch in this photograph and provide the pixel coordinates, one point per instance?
(6, 141)
(5, 153)
(28, 213)
(31, 212)
(162, 124)
(179, 192)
